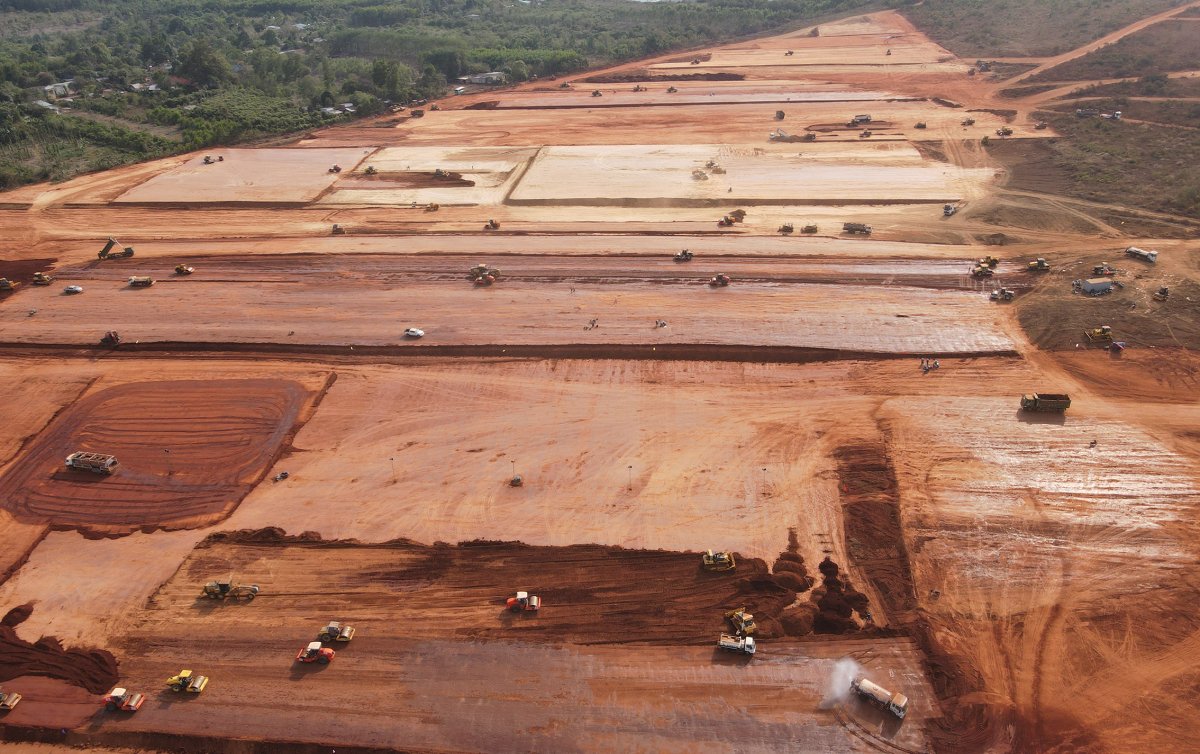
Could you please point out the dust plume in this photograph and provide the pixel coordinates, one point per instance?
(837, 688)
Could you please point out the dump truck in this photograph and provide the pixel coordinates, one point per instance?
(717, 561)
(314, 652)
(335, 631)
(859, 120)
(221, 590)
(809, 229)
(730, 643)
(183, 269)
(41, 278)
(97, 463)
(8, 285)
(108, 253)
(856, 228)
(1039, 265)
(897, 704)
(1056, 402)
(683, 255)
(1143, 254)
(9, 699)
(189, 681)
(787, 228)
(720, 280)
(141, 281)
(123, 700)
(524, 602)
(741, 621)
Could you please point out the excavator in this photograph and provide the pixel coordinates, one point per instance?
(717, 561)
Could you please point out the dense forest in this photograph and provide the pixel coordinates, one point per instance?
(144, 78)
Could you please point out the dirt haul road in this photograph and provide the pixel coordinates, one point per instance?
(844, 416)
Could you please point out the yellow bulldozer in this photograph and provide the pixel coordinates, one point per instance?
(717, 561)
(741, 621)
(1103, 333)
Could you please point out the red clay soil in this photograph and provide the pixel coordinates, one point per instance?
(21, 270)
(91, 669)
(636, 76)
(189, 451)
(410, 179)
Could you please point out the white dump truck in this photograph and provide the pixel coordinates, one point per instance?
(897, 704)
(97, 463)
(743, 644)
(1143, 254)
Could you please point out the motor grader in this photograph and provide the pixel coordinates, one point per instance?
(223, 590)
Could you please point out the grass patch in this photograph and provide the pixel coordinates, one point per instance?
(982, 28)
(1156, 85)
(1161, 48)
(1167, 112)
(1025, 91)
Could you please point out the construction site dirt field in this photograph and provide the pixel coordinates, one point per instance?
(845, 418)
(188, 452)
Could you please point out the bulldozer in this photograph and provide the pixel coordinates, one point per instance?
(9, 699)
(8, 285)
(123, 700)
(314, 652)
(335, 631)
(183, 269)
(1039, 265)
(108, 253)
(222, 590)
(187, 680)
(717, 561)
(491, 225)
(989, 261)
(524, 602)
(741, 621)
(1103, 333)
(720, 280)
(41, 278)
(683, 255)
(787, 228)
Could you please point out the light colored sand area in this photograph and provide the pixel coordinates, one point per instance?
(249, 175)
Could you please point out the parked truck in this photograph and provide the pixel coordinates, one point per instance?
(897, 704)
(1058, 402)
(1143, 254)
(97, 463)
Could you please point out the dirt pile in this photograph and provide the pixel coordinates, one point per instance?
(837, 601)
(789, 569)
(91, 669)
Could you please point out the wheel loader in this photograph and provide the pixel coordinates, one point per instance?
(189, 681)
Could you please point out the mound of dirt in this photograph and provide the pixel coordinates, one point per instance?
(91, 669)
(490, 104)
(789, 568)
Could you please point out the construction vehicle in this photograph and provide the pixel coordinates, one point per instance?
(726, 222)
(516, 481)
(787, 228)
(481, 274)
(491, 225)
(189, 681)
(1004, 131)
(865, 135)
(335, 169)
(717, 561)
(417, 114)
(335, 632)
(968, 122)
(183, 269)
(856, 228)
(371, 170)
(432, 207)
(1161, 294)
(8, 285)
(683, 256)
(141, 281)
(338, 230)
(699, 175)
(222, 590)
(859, 120)
(1039, 265)
(314, 652)
(948, 210)
(524, 602)
(1132, 251)
(989, 261)
(809, 229)
(9, 699)
(980, 271)
(108, 253)
(41, 278)
(741, 621)
(97, 463)
(1103, 333)
(671, 90)
(743, 644)
(111, 338)
(434, 107)
(597, 93)
(1056, 402)
(1002, 294)
(1041, 125)
(123, 700)
(780, 115)
(897, 704)
(921, 124)
(1104, 269)
(639, 88)
(208, 160)
(720, 280)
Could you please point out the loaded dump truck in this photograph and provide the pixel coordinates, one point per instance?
(897, 704)
(743, 644)
(856, 228)
(97, 463)
(108, 253)
(1144, 255)
(1058, 402)
(141, 281)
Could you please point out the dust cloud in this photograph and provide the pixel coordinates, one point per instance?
(837, 689)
